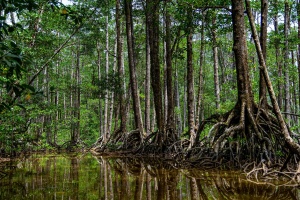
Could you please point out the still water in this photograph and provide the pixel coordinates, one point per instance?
(83, 176)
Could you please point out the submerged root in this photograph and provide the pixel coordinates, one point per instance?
(262, 173)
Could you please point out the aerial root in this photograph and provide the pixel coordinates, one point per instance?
(230, 130)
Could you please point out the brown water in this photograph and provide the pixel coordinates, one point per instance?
(70, 176)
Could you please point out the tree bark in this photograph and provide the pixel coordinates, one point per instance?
(120, 68)
(241, 54)
(153, 24)
(278, 59)
(76, 125)
(99, 78)
(190, 89)
(216, 63)
(132, 67)
(106, 118)
(287, 106)
(147, 83)
(199, 105)
(170, 92)
(177, 103)
(263, 44)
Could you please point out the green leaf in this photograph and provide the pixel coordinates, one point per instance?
(21, 106)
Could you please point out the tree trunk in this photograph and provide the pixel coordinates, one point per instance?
(132, 67)
(177, 103)
(153, 28)
(147, 83)
(263, 44)
(287, 106)
(216, 63)
(120, 68)
(112, 96)
(190, 88)
(199, 107)
(76, 98)
(170, 92)
(278, 59)
(99, 78)
(241, 54)
(106, 118)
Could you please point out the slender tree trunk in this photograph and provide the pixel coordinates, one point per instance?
(148, 82)
(132, 67)
(76, 100)
(99, 78)
(105, 133)
(177, 103)
(190, 89)
(120, 66)
(263, 44)
(278, 58)
(199, 107)
(216, 62)
(112, 96)
(287, 106)
(170, 92)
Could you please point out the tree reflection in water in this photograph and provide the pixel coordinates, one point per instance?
(87, 177)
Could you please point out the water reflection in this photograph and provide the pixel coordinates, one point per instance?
(87, 177)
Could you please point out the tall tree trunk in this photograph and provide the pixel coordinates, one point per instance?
(241, 54)
(112, 95)
(263, 44)
(170, 92)
(278, 58)
(190, 88)
(105, 133)
(76, 124)
(132, 67)
(120, 68)
(148, 82)
(199, 104)
(99, 78)
(287, 106)
(177, 103)
(216, 62)
(153, 24)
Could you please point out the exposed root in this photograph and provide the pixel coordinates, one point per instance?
(246, 134)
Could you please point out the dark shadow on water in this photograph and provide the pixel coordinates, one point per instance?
(71, 176)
